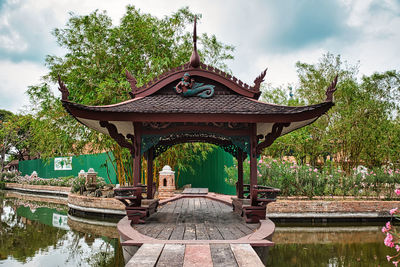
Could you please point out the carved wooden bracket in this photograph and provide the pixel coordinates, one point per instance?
(330, 90)
(132, 82)
(119, 138)
(259, 80)
(63, 89)
(270, 138)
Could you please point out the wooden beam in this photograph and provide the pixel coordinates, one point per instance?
(253, 160)
(196, 128)
(149, 155)
(240, 174)
(138, 156)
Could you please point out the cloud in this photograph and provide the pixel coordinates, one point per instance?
(14, 80)
(266, 33)
(298, 24)
(25, 26)
(25, 31)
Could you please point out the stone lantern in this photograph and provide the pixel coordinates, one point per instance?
(90, 182)
(82, 174)
(166, 186)
(34, 175)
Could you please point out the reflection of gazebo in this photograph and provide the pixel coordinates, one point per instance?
(196, 103)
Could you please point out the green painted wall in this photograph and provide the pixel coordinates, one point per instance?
(45, 169)
(210, 173)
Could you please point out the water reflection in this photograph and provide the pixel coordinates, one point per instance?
(40, 234)
(43, 234)
(332, 245)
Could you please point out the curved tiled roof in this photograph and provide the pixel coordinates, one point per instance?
(218, 104)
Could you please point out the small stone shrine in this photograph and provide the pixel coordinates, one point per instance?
(166, 186)
(91, 182)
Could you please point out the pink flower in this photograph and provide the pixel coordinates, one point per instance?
(260, 161)
(397, 247)
(388, 257)
(397, 191)
(310, 170)
(384, 230)
(388, 240)
(388, 226)
(395, 263)
(315, 170)
(392, 211)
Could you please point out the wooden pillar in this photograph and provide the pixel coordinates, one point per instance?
(150, 173)
(137, 164)
(253, 161)
(240, 174)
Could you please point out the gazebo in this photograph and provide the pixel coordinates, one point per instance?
(198, 103)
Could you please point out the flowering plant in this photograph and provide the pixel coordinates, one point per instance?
(392, 238)
(306, 180)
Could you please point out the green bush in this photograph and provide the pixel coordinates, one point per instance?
(2, 185)
(305, 180)
(79, 183)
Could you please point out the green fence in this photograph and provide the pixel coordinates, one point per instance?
(46, 169)
(209, 173)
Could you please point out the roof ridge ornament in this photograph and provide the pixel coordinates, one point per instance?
(63, 89)
(132, 81)
(331, 89)
(259, 80)
(195, 58)
(188, 87)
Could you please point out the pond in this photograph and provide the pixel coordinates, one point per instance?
(41, 233)
(329, 245)
(37, 233)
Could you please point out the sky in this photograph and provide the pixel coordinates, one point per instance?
(265, 33)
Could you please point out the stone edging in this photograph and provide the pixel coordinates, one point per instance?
(331, 208)
(41, 189)
(95, 204)
(282, 208)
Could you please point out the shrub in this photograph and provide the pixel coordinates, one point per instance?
(2, 185)
(77, 184)
(305, 180)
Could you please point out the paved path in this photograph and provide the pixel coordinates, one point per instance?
(194, 230)
(195, 219)
(202, 255)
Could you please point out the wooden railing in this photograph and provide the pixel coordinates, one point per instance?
(264, 195)
(132, 198)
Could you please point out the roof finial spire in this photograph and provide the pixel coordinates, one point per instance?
(195, 58)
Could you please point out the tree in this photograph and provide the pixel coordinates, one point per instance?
(15, 134)
(93, 69)
(362, 127)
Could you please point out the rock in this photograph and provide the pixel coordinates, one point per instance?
(98, 193)
(91, 187)
(109, 194)
(109, 187)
